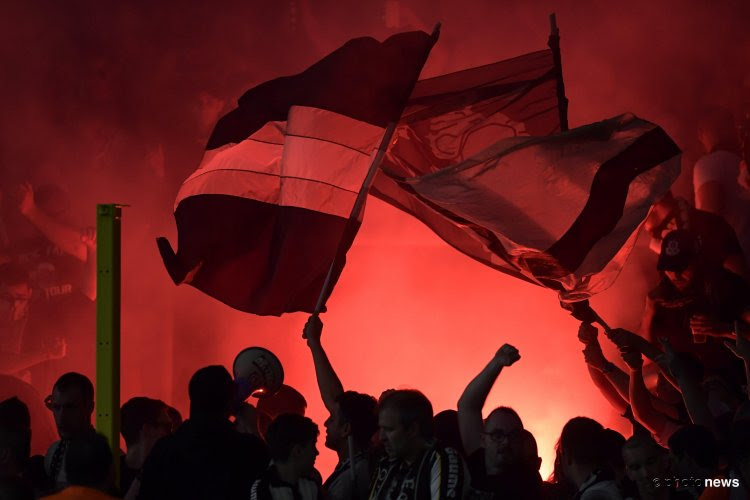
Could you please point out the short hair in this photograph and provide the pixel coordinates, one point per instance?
(445, 425)
(136, 413)
(413, 407)
(360, 411)
(506, 410)
(15, 428)
(581, 440)
(288, 430)
(70, 380)
(642, 440)
(527, 445)
(286, 399)
(211, 390)
(612, 443)
(88, 460)
(698, 443)
(174, 416)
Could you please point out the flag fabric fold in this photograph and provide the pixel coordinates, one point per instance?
(561, 211)
(260, 221)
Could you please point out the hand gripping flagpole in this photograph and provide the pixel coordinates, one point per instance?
(362, 195)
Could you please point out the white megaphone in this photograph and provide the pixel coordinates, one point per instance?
(257, 372)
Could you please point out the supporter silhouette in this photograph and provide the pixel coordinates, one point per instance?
(18, 350)
(291, 441)
(694, 303)
(71, 403)
(715, 174)
(493, 446)
(720, 246)
(17, 468)
(416, 466)
(143, 421)
(583, 460)
(350, 427)
(88, 467)
(447, 431)
(206, 457)
(647, 463)
(694, 456)
(616, 385)
(488, 442)
(61, 260)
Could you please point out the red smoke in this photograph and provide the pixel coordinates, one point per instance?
(113, 101)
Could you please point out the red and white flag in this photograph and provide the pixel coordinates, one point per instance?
(260, 221)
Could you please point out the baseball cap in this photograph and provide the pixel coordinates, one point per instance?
(678, 250)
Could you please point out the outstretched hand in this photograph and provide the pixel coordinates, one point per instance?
(632, 357)
(507, 355)
(313, 330)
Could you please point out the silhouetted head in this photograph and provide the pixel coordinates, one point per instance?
(291, 441)
(499, 438)
(405, 421)
(211, 390)
(354, 414)
(72, 403)
(144, 421)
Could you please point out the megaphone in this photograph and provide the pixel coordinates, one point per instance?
(257, 372)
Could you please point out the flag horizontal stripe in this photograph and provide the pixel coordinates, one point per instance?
(246, 253)
(324, 125)
(266, 187)
(364, 79)
(317, 161)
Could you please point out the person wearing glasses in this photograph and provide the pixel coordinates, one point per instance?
(493, 446)
(71, 403)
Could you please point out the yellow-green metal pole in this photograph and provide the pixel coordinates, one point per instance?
(108, 328)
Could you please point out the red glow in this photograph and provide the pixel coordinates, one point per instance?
(105, 100)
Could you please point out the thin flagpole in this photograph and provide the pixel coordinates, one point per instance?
(362, 195)
(554, 44)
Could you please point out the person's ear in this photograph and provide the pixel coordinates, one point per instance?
(346, 429)
(295, 452)
(90, 407)
(413, 430)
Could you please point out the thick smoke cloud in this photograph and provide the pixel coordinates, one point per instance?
(113, 102)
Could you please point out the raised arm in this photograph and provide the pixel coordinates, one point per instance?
(696, 401)
(65, 237)
(474, 396)
(328, 382)
(616, 390)
(640, 399)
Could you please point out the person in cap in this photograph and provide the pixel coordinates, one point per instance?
(695, 302)
(719, 243)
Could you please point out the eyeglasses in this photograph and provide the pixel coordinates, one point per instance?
(499, 436)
